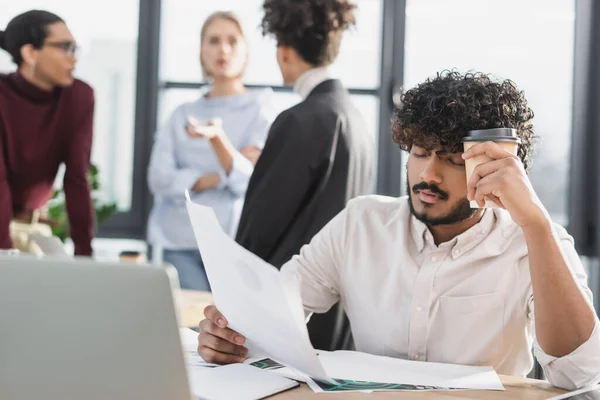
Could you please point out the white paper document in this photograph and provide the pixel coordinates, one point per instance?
(236, 381)
(356, 366)
(253, 296)
(188, 337)
(267, 309)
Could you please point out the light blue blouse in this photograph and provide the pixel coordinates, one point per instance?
(178, 161)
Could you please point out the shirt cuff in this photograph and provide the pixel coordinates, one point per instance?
(241, 170)
(241, 167)
(237, 180)
(575, 370)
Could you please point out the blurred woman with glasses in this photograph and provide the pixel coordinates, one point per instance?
(46, 118)
(208, 147)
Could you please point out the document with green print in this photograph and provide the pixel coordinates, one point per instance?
(353, 366)
(366, 373)
(344, 385)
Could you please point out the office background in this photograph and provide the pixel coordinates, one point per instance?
(142, 56)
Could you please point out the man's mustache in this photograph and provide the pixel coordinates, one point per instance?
(432, 187)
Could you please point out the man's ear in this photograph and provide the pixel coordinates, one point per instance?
(29, 54)
(289, 54)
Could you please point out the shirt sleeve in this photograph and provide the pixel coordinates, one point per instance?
(242, 168)
(582, 366)
(6, 205)
(318, 266)
(165, 177)
(76, 185)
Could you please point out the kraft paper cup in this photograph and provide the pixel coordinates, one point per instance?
(505, 137)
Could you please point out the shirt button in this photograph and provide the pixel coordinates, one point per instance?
(420, 309)
(456, 253)
(433, 258)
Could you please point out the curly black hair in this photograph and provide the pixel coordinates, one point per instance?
(440, 111)
(313, 28)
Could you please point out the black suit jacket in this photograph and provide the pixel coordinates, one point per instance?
(318, 155)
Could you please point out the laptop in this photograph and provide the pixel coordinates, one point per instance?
(79, 329)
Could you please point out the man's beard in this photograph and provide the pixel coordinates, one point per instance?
(461, 211)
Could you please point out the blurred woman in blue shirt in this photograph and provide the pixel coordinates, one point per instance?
(209, 147)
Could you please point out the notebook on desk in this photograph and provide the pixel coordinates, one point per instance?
(79, 329)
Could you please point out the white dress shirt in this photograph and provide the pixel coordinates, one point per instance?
(466, 301)
(310, 80)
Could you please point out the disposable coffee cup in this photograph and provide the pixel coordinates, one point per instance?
(132, 257)
(505, 137)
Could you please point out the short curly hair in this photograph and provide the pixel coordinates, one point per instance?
(440, 111)
(313, 28)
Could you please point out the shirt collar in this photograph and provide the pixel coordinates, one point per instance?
(309, 80)
(461, 243)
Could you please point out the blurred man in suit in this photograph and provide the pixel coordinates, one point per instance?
(318, 154)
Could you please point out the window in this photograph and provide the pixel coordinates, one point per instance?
(529, 42)
(357, 65)
(180, 43)
(108, 63)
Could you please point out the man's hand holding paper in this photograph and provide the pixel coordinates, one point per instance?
(217, 343)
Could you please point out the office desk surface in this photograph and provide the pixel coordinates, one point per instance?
(515, 388)
(190, 306)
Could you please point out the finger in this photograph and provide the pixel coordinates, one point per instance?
(491, 149)
(483, 170)
(215, 316)
(224, 333)
(496, 200)
(212, 356)
(489, 186)
(221, 345)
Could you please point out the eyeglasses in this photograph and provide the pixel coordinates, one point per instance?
(70, 48)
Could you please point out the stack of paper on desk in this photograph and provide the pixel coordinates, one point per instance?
(356, 366)
(267, 309)
(236, 381)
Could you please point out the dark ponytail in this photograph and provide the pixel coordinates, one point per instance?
(31, 27)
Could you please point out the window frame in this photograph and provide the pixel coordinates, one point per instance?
(132, 223)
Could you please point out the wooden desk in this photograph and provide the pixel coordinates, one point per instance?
(515, 388)
(190, 309)
(190, 306)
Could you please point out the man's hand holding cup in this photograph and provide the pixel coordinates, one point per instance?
(496, 176)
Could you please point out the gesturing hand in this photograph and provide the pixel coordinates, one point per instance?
(195, 129)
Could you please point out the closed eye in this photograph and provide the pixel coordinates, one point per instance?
(460, 164)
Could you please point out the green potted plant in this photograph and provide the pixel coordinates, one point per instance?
(57, 212)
